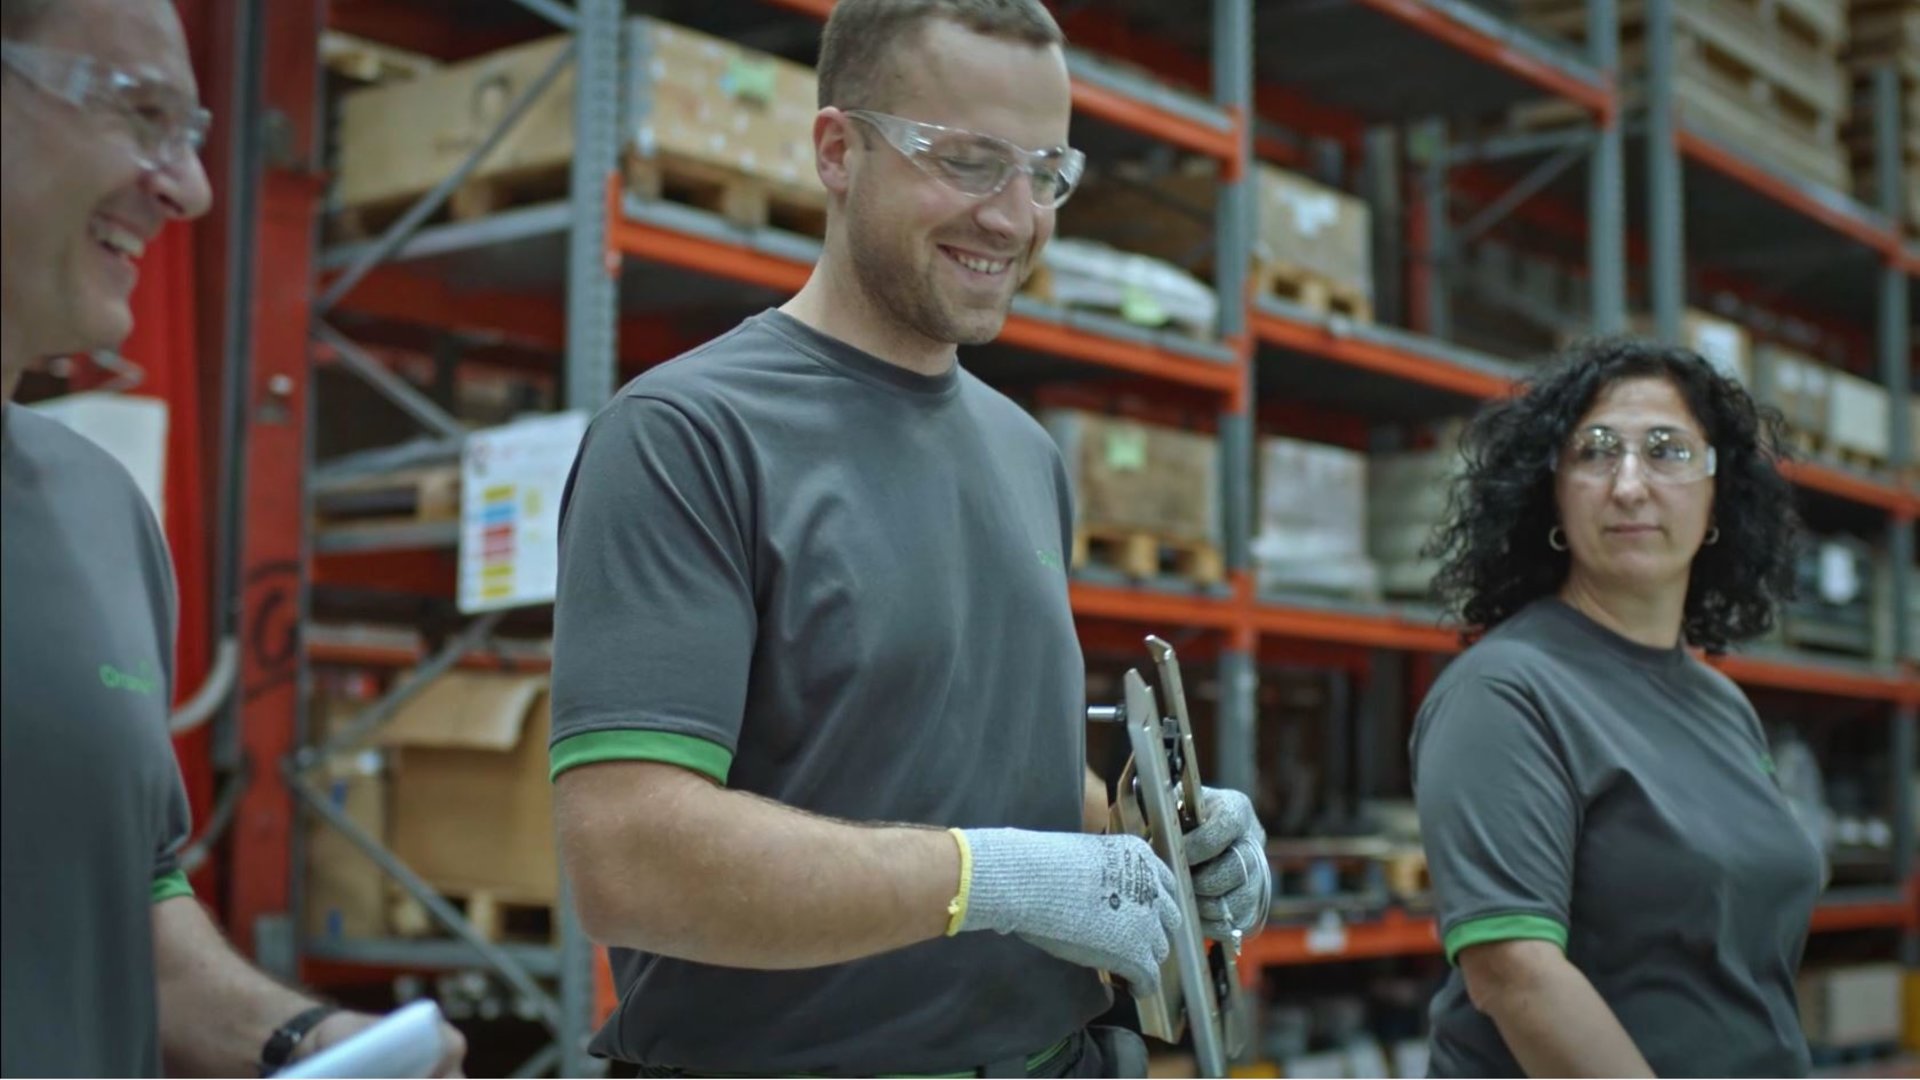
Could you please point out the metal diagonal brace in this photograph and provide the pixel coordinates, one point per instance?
(417, 887)
(1525, 188)
(411, 401)
(552, 12)
(399, 231)
(377, 714)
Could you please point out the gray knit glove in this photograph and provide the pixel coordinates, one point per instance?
(1232, 882)
(1104, 902)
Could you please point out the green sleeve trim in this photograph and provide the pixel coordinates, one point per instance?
(168, 886)
(687, 751)
(1504, 928)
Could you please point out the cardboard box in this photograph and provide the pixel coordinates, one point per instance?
(687, 95)
(1312, 531)
(345, 892)
(1140, 477)
(1851, 1006)
(1859, 416)
(1299, 223)
(470, 806)
(1410, 487)
(1721, 342)
(1796, 384)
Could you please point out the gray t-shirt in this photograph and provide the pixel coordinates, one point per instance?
(829, 581)
(1618, 799)
(92, 809)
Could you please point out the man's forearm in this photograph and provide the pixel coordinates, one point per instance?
(667, 862)
(1557, 1024)
(216, 1010)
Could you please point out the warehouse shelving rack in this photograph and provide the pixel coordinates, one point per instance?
(591, 275)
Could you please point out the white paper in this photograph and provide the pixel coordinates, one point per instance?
(511, 479)
(1839, 577)
(131, 428)
(405, 1043)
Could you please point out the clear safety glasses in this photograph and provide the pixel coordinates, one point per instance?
(167, 127)
(979, 165)
(1667, 455)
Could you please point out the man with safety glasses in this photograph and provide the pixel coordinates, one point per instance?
(110, 966)
(818, 700)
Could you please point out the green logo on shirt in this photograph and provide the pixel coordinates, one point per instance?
(1048, 559)
(114, 679)
(1766, 764)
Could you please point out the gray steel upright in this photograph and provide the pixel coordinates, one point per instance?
(1235, 739)
(592, 347)
(1606, 193)
(1666, 225)
(592, 289)
(1895, 373)
(1430, 141)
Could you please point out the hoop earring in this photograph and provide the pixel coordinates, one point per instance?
(1713, 537)
(1557, 538)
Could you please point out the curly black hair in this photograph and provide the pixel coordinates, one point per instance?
(1493, 542)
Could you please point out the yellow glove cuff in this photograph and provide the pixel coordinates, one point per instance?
(957, 907)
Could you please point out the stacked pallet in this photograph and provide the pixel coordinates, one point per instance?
(1145, 497)
(1885, 34)
(1763, 77)
(1312, 533)
(1407, 495)
(1312, 244)
(709, 123)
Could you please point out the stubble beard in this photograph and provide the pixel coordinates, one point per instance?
(903, 289)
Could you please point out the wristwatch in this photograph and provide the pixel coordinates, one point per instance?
(285, 1038)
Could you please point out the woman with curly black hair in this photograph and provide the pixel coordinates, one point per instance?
(1621, 886)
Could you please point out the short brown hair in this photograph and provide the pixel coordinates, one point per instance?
(861, 36)
(19, 16)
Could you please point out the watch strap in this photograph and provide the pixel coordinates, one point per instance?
(286, 1038)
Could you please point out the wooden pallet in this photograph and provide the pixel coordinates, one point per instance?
(410, 496)
(370, 62)
(1312, 291)
(1763, 76)
(1818, 25)
(1407, 876)
(1822, 450)
(746, 201)
(1143, 556)
(494, 916)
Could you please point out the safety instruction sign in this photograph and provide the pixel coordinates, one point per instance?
(511, 479)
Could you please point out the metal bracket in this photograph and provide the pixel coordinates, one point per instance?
(411, 401)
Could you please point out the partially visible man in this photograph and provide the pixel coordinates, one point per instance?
(819, 724)
(108, 965)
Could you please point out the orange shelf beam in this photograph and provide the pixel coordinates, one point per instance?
(721, 259)
(353, 654)
(1754, 671)
(1887, 242)
(1393, 934)
(1149, 608)
(1135, 115)
(1444, 28)
(1381, 359)
(1398, 934)
(1846, 485)
(1888, 915)
(1351, 628)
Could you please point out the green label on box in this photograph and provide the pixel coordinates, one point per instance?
(1126, 449)
(1139, 306)
(750, 80)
